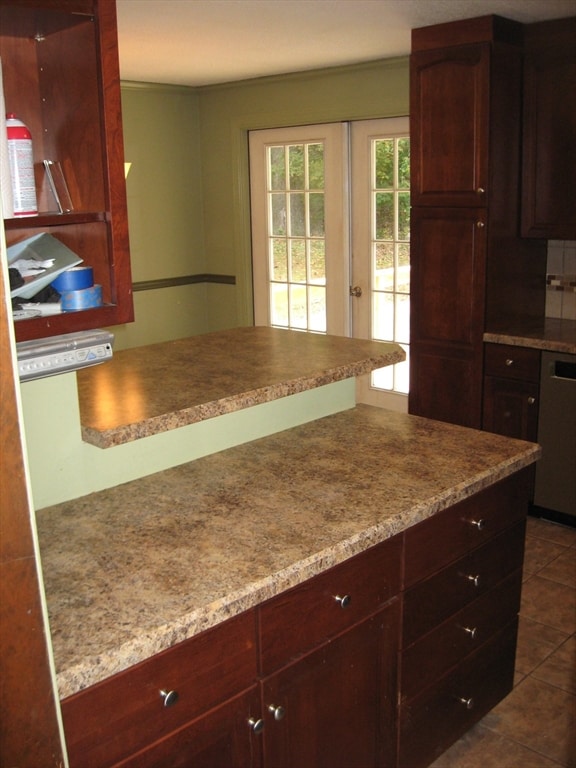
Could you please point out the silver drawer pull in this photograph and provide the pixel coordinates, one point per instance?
(478, 524)
(344, 600)
(474, 579)
(509, 361)
(169, 698)
(468, 703)
(471, 631)
(277, 711)
(256, 724)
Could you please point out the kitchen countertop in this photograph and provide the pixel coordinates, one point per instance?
(133, 570)
(156, 388)
(555, 335)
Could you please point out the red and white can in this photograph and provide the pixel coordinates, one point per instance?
(21, 160)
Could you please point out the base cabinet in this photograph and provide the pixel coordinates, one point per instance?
(460, 618)
(226, 737)
(336, 706)
(381, 661)
(511, 391)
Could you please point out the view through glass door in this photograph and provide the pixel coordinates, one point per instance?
(330, 236)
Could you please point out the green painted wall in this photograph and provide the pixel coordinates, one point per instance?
(164, 191)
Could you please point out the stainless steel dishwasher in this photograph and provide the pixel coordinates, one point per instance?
(555, 487)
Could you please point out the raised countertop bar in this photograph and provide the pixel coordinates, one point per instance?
(555, 335)
(153, 389)
(135, 569)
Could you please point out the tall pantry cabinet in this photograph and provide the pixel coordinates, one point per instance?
(471, 272)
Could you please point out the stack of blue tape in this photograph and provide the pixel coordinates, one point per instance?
(77, 289)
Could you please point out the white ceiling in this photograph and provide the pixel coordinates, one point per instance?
(201, 42)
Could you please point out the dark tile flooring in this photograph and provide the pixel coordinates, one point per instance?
(535, 726)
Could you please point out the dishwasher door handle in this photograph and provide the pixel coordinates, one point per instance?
(560, 369)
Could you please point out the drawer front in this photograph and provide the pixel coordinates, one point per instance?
(437, 718)
(322, 607)
(119, 716)
(434, 600)
(222, 739)
(512, 362)
(448, 535)
(430, 658)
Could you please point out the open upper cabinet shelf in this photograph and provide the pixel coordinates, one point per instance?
(61, 78)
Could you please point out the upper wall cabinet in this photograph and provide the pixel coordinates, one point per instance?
(461, 75)
(549, 162)
(61, 78)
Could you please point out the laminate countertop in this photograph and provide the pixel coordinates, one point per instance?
(156, 388)
(553, 335)
(133, 570)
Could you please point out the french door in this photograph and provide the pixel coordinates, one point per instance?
(330, 236)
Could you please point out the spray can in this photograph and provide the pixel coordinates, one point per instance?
(21, 166)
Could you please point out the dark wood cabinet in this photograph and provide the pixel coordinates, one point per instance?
(383, 660)
(460, 617)
(549, 149)
(336, 705)
(470, 270)
(511, 391)
(61, 78)
(125, 714)
(225, 737)
(447, 300)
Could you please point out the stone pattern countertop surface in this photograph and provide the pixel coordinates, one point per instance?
(133, 570)
(555, 335)
(156, 388)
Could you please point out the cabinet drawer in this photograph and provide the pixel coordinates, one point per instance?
(223, 738)
(438, 717)
(123, 714)
(323, 606)
(512, 362)
(440, 539)
(430, 658)
(432, 601)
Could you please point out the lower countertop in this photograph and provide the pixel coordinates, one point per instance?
(553, 335)
(133, 570)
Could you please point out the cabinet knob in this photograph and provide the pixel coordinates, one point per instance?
(474, 579)
(509, 362)
(480, 224)
(478, 524)
(344, 600)
(471, 632)
(531, 400)
(277, 711)
(480, 191)
(256, 724)
(468, 703)
(169, 698)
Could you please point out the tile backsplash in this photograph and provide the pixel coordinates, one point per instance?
(561, 279)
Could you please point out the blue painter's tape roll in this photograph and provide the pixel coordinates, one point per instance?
(84, 299)
(74, 279)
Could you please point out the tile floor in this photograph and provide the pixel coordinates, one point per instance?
(535, 726)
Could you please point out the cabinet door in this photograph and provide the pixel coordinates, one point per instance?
(447, 313)
(511, 408)
(328, 708)
(449, 112)
(224, 738)
(549, 149)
